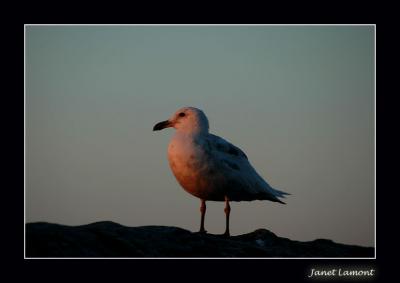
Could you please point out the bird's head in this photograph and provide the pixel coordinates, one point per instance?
(187, 120)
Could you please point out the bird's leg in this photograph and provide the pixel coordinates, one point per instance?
(203, 213)
(227, 212)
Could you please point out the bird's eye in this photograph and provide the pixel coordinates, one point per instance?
(181, 114)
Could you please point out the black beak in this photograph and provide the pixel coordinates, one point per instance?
(162, 125)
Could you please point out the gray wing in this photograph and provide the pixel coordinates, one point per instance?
(244, 183)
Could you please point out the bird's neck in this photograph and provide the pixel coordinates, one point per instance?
(192, 133)
(192, 130)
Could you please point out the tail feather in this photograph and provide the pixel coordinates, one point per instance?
(280, 194)
(278, 200)
(272, 197)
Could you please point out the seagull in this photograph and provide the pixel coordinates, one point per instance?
(211, 168)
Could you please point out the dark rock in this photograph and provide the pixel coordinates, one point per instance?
(109, 239)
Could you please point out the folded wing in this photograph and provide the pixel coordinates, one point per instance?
(244, 183)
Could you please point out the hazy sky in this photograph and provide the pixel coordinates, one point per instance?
(299, 100)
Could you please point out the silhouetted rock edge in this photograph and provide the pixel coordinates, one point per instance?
(109, 239)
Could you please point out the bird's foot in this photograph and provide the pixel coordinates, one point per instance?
(226, 234)
(202, 231)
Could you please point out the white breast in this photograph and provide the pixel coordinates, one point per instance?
(188, 162)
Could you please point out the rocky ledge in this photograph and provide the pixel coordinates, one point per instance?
(109, 239)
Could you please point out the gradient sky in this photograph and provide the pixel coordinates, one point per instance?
(299, 100)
